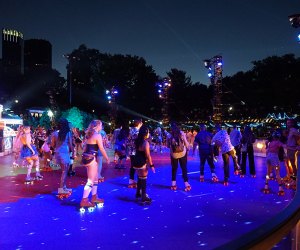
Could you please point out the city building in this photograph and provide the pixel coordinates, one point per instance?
(37, 54)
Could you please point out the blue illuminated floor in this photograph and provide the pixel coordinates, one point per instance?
(204, 218)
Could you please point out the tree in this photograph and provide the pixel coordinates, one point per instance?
(74, 116)
(45, 120)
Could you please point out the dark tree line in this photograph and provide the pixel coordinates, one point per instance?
(272, 85)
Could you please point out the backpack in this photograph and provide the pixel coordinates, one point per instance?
(177, 145)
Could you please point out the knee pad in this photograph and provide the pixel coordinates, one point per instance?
(89, 184)
(143, 177)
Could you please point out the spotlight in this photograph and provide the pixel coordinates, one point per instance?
(295, 20)
(207, 63)
(298, 38)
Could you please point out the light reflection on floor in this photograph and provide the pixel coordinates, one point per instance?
(209, 215)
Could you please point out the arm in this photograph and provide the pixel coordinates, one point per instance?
(186, 143)
(101, 148)
(148, 156)
(70, 143)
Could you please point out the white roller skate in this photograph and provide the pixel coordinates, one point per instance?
(86, 204)
(214, 178)
(29, 180)
(38, 176)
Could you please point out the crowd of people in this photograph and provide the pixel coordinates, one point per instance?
(64, 143)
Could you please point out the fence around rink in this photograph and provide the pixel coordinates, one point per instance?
(274, 230)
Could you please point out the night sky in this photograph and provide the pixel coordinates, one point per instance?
(167, 34)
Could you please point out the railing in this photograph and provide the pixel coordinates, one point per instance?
(272, 232)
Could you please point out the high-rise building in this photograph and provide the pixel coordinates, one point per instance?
(12, 51)
(37, 54)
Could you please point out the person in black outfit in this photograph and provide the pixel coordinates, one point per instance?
(140, 161)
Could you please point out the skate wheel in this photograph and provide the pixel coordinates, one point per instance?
(242, 176)
(82, 209)
(174, 188)
(226, 183)
(100, 204)
(281, 193)
(187, 189)
(266, 191)
(215, 179)
(201, 179)
(132, 186)
(91, 209)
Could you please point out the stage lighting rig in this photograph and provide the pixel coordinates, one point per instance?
(111, 98)
(215, 69)
(295, 20)
(163, 93)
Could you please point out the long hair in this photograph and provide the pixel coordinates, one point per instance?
(141, 136)
(175, 130)
(91, 128)
(64, 129)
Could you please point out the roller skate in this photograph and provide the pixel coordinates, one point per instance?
(201, 178)
(266, 189)
(146, 200)
(64, 193)
(174, 187)
(280, 191)
(253, 176)
(15, 165)
(100, 179)
(187, 187)
(271, 177)
(214, 178)
(86, 204)
(97, 201)
(38, 176)
(132, 184)
(238, 171)
(29, 180)
(226, 183)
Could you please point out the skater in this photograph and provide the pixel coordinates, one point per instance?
(120, 147)
(46, 152)
(93, 143)
(140, 161)
(61, 141)
(248, 138)
(131, 149)
(157, 139)
(273, 163)
(235, 139)
(178, 154)
(29, 155)
(203, 139)
(17, 145)
(222, 140)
